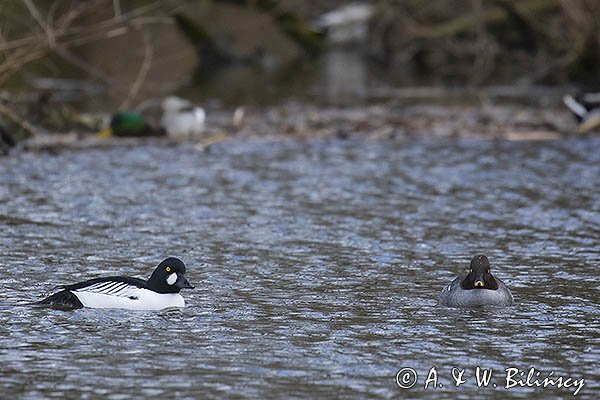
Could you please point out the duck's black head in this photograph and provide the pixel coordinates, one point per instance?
(479, 276)
(169, 277)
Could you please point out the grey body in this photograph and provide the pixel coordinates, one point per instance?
(454, 295)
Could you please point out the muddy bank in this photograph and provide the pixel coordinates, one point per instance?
(389, 120)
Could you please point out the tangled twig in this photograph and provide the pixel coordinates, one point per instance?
(143, 71)
(60, 33)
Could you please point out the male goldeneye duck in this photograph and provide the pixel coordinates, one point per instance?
(478, 288)
(160, 291)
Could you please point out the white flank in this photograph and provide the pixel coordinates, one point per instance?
(122, 295)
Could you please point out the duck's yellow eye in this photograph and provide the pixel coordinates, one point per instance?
(168, 269)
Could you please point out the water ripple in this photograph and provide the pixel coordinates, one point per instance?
(317, 265)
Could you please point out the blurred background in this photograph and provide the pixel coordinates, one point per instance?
(104, 56)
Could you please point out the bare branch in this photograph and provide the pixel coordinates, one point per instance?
(117, 8)
(62, 32)
(142, 73)
(80, 63)
(37, 16)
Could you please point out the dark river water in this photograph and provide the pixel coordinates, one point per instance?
(317, 266)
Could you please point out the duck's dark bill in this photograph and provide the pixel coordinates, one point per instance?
(182, 283)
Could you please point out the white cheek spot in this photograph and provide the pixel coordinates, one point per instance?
(171, 279)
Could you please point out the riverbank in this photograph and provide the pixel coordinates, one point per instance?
(381, 120)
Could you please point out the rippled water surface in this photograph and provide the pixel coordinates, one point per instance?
(317, 266)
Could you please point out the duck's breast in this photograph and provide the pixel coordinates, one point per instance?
(455, 296)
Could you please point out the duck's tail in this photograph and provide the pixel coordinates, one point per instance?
(63, 300)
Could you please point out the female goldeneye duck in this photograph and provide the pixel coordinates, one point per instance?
(160, 291)
(478, 288)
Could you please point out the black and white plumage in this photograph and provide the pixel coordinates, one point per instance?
(476, 289)
(160, 291)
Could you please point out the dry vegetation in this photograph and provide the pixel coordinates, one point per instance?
(29, 32)
(482, 41)
(472, 42)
